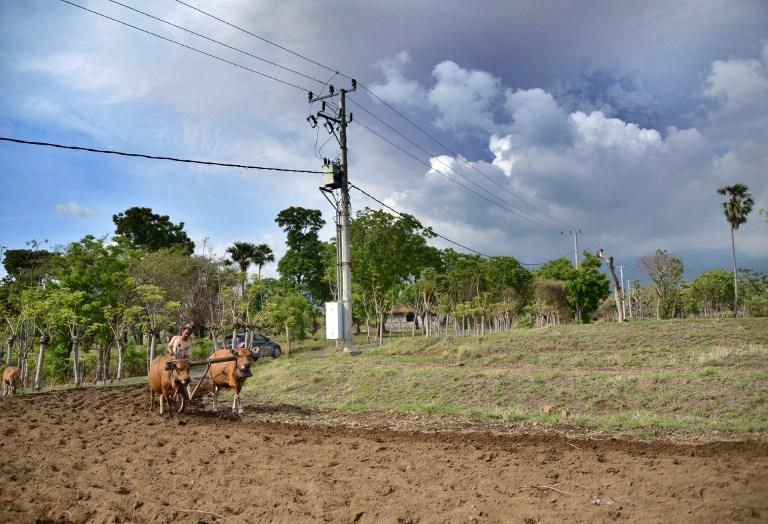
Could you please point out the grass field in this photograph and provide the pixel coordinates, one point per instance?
(645, 378)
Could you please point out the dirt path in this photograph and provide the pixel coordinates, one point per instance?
(97, 455)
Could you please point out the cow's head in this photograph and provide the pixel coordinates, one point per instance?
(181, 372)
(243, 363)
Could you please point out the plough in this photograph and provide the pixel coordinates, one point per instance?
(185, 395)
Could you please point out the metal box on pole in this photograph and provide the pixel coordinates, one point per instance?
(334, 321)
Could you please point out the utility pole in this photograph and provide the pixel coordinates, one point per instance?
(575, 234)
(621, 279)
(341, 181)
(616, 283)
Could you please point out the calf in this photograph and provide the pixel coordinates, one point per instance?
(168, 378)
(11, 379)
(231, 375)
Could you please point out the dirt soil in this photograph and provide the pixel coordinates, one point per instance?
(98, 455)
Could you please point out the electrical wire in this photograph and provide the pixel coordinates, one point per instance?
(335, 73)
(428, 229)
(550, 225)
(379, 99)
(265, 75)
(270, 62)
(532, 220)
(479, 195)
(153, 157)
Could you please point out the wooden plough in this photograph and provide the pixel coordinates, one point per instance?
(192, 363)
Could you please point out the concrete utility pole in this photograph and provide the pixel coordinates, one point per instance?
(621, 279)
(616, 283)
(575, 235)
(341, 182)
(346, 253)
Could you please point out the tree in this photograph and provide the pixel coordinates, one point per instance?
(302, 265)
(666, 274)
(387, 250)
(288, 313)
(587, 287)
(557, 269)
(242, 254)
(712, 291)
(147, 230)
(262, 256)
(157, 312)
(736, 209)
(28, 266)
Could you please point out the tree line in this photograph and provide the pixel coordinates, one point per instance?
(101, 308)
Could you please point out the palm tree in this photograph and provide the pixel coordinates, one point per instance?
(263, 255)
(736, 209)
(243, 254)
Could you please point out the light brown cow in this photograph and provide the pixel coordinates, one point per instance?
(11, 379)
(231, 375)
(170, 384)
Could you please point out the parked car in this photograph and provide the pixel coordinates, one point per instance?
(267, 347)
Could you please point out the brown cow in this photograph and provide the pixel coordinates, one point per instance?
(231, 375)
(170, 384)
(11, 379)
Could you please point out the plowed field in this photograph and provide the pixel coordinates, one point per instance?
(98, 455)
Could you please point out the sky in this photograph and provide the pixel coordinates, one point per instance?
(618, 119)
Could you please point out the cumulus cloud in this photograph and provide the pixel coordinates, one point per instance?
(73, 209)
(634, 188)
(463, 98)
(613, 92)
(737, 85)
(397, 89)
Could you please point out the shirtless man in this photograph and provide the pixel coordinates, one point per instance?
(180, 346)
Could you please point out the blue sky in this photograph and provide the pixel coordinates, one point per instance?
(620, 119)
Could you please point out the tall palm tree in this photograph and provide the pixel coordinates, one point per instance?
(736, 209)
(263, 255)
(243, 254)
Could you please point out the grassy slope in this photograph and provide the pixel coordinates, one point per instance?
(698, 375)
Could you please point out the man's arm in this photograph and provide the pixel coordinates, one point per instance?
(172, 346)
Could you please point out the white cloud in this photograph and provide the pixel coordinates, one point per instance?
(397, 89)
(73, 209)
(736, 86)
(463, 97)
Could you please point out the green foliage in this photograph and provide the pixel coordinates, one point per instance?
(302, 265)
(28, 266)
(738, 206)
(587, 287)
(288, 313)
(754, 288)
(144, 229)
(712, 291)
(666, 273)
(557, 269)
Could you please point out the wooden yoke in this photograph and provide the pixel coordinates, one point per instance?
(208, 362)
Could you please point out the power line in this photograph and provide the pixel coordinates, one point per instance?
(531, 219)
(153, 157)
(480, 195)
(438, 235)
(534, 219)
(230, 24)
(270, 62)
(265, 75)
(384, 102)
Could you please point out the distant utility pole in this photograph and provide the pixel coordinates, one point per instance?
(340, 180)
(616, 284)
(575, 234)
(621, 279)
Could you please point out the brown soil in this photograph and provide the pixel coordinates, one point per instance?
(98, 455)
